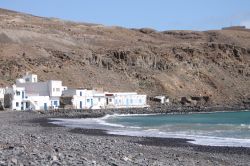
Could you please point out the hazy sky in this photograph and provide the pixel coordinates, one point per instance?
(157, 14)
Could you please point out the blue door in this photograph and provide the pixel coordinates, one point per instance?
(81, 104)
(45, 107)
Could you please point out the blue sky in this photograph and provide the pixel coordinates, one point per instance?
(157, 14)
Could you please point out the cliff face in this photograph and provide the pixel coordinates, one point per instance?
(175, 63)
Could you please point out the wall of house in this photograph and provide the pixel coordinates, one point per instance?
(2, 92)
(83, 102)
(56, 88)
(84, 92)
(129, 100)
(18, 97)
(99, 101)
(39, 102)
(54, 102)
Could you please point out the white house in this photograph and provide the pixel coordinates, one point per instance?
(162, 99)
(86, 99)
(29, 94)
(125, 100)
(92, 99)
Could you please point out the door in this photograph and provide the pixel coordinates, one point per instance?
(27, 105)
(45, 107)
(80, 104)
(22, 106)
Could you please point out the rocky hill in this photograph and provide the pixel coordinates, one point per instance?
(179, 64)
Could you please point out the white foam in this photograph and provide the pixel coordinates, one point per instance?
(195, 139)
(85, 122)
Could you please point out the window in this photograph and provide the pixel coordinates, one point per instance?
(27, 79)
(55, 103)
(18, 93)
(58, 89)
(17, 104)
(99, 99)
(110, 100)
(140, 101)
(131, 101)
(88, 100)
(80, 93)
(54, 89)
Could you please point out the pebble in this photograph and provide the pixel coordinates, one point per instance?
(14, 161)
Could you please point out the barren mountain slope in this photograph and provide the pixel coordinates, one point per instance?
(175, 63)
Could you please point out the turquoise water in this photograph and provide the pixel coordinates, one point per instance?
(217, 129)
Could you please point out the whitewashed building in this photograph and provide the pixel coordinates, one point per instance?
(29, 94)
(125, 100)
(162, 99)
(92, 99)
(86, 99)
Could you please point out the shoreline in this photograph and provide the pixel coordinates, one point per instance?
(27, 138)
(156, 141)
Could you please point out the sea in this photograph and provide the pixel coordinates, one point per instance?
(214, 129)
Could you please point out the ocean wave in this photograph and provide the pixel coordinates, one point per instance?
(127, 115)
(195, 139)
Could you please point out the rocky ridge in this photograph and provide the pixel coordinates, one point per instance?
(174, 63)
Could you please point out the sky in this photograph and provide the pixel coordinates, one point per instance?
(157, 14)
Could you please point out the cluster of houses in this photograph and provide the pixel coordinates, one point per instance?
(30, 94)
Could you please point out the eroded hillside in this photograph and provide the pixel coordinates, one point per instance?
(175, 63)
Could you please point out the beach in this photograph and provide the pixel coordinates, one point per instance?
(27, 138)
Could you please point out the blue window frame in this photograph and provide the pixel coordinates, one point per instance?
(80, 93)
